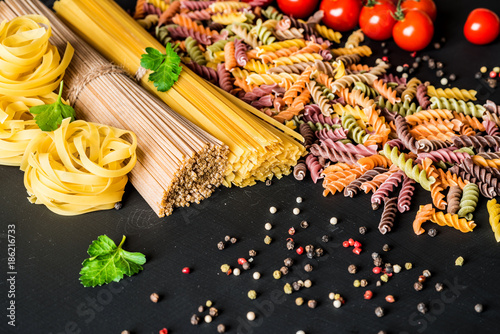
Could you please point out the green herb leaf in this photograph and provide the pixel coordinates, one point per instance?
(165, 68)
(49, 116)
(108, 263)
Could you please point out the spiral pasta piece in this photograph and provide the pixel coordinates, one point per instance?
(337, 178)
(186, 22)
(256, 66)
(422, 97)
(447, 219)
(426, 115)
(328, 33)
(363, 51)
(149, 21)
(405, 194)
(352, 188)
(222, 6)
(319, 99)
(412, 171)
(299, 171)
(356, 132)
(333, 155)
(468, 202)
(386, 188)
(263, 33)
(494, 217)
(477, 142)
(386, 91)
(455, 93)
(348, 80)
(242, 33)
(403, 132)
(424, 214)
(272, 13)
(294, 68)
(460, 106)
(298, 86)
(269, 79)
(297, 58)
(292, 33)
(194, 51)
(314, 168)
(388, 215)
(229, 18)
(299, 43)
(411, 90)
(367, 90)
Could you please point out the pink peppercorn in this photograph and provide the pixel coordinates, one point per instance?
(300, 250)
(351, 242)
(345, 244)
(377, 270)
(356, 251)
(186, 270)
(164, 331)
(368, 294)
(291, 231)
(357, 244)
(241, 260)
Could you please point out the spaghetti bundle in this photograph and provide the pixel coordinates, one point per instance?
(177, 163)
(257, 150)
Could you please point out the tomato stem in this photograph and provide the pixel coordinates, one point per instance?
(371, 3)
(398, 14)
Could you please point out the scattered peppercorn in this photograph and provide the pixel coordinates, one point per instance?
(154, 297)
(363, 283)
(459, 261)
(337, 303)
(277, 274)
(386, 248)
(288, 262)
(201, 308)
(233, 240)
(256, 275)
(384, 278)
(227, 238)
(368, 294)
(309, 248)
(221, 328)
(208, 303)
(493, 74)
(287, 288)
(251, 316)
(252, 253)
(382, 332)
(195, 320)
(308, 268)
(362, 230)
(163, 331)
(345, 244)
(492, 83)
(125, 332)
(300, 250)
(186, 270)
(375, 255)
(386, 52)
(418, 59)
(245, 266)
(284, 270)
(304, 224)
(333, 220)
(273, 209)
(478, 308)
(379, 312)
(478, 75)
(376, 270)
(356, 283)
(236, 272)
(325, 238)
(252, 294)
(296, 286)
(388, 268)
(432, 232)
(290, 244)
(352, 269)
(220, 245)
(307, 283)
(378, 283)
(208, 318)
(408, 265)
(319, 252)
(213, 312)
(267, 240)
(118, 205)
(399, 69)
(291, 231)
(299, 301)
(426, 58)
(418, 286)
(396, 268)
(483, 69)
(452, 77)
(225, 268)
(426, 273)
(296, 211)
(268, 226)
(268, 183)
(312, 303)
(421, 278)
(422, 308)
(439, 73)
(439, 287)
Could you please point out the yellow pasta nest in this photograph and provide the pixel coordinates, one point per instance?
(80, 167)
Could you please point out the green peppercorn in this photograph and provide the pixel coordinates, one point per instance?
(225, 268)
(459, 261)
(299, 301)
(252, 294)
(408, 265)
(267, 240)
(287, 288)
(357, 283)
(384, 278)
(277, 274)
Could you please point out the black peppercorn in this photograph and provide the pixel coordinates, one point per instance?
(377, 262)
(478, 308)
(233, 240)
(296, 286)
(363, 283)
(268, 182)
(478, 75)
(304, 224)
(386, 248)
(426, 273)
(388, 268)
(418, 59)
(284, 270)
(245, 266)
(310, 255)
(220, 245)
(288, 262)
(439, 65)
(426, 58)
(362, 230)
(492, 82)
(118, 205)
(308, 267)
(411, 71)
(312, 303)
(221, 328)
(431, 64)
(309, 248)
(325, 238)
(195, 320)
(375, 255)
(213, 312)
(252, 252)
(422, 308)
(379, 312)
(418, 286)
(439, 73)
(437, 46)
(439, 287)
(352, 269)
(290, 245)
(385, 51)
(452, 77)
(432, 232)
(319, 252)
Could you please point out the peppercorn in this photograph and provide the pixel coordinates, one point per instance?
(252, 294)
(345, 244)
(208, 303)
(368, 294)
(415, 64)
(312, 303)
(439, 287)
(208, 319)
(201, 308)
(426, 273)
(296, 211)
(308, 268)
(452, 77)
(337, 303)
(375, 255)
(385, 51)
(307, 283)
(408, 265)
(304, 224)
(492, 83)
(233, 240)
(411, 71)
(319, 252)
(296, 286)
(388, 268)
(432, 232)
(245, 266)
(299, 301)
(256, 275)
(154, 297)
(356, 251)
(459, 261)
(421, 278)
(268, 183)
(382, 332)
(376, 270)
(439, 73)
(379, 312)
(220, 245)
(290, 244)
(325, 238)
(421, 308)
(418, 286)
(284, 270)
(396, 268)
(288, 262)
(225, 268)
(363, 283)
(492, 74)
(267, 240)
(227, 238)
(309, 248)
(478, 75)
(356, 283)
(163, 331)
(384, 278)
(431, 64)
(291, 231)
(478, 308)
(390, 299)
(383, 44)
(252, 253)
(287, 288)
(310, 255)
(125, 332)
(357, 244)
(352, 269)
(425, 58)
(236, 272)
(268, 226)
(251, 316)
(277, 274)
(221, 328)
(273, 210)
(378, 283)
(399, 69)
(386, 248)
(362, 230)
(213, 312)
(300, 250)
(195, 320)
(333, 220)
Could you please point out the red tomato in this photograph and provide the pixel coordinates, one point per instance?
(341, 15)
(482, 26)
(427, 6)
(299, 9)
(414, 32)
(376, 19)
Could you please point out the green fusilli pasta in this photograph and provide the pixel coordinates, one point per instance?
(265, 35)
(194, 51)
(404, 109)
(460, 106)
(369, 91)
(468, 202)
(272, 13)
(356, 132)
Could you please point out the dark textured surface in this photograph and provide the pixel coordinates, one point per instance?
(50, 250)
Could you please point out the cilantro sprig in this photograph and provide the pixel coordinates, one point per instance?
(48, 117)
(166, 67)
(108, 263)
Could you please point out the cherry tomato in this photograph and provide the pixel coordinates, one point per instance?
(414, 31)
(482, 26)
(427, 6)
(376, 19)
(299, 9)
(341, 15)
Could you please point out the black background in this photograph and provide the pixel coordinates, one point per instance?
(50, 249)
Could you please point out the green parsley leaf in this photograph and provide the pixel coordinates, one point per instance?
(108, 263)
(49, 116)
(165, 68)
